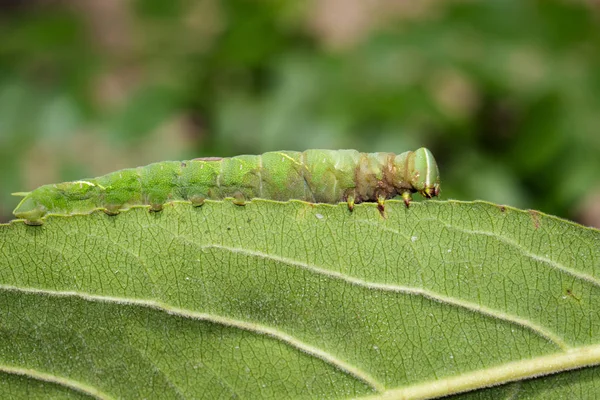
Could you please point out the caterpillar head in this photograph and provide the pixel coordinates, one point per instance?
(423, 173)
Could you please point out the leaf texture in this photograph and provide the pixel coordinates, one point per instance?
(296, 300)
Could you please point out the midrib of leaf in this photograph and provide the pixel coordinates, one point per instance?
(509, 372)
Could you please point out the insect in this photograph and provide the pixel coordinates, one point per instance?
(318, 176)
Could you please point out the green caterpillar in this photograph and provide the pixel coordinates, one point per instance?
(318, 176)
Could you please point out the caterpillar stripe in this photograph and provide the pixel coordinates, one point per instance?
(318, 176)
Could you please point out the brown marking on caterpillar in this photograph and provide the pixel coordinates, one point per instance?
(535, 217)
(387, 180)
(367, 186)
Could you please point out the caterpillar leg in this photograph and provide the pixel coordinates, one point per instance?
(239, 199)
(407, 197)
(197, 200)
(381, 204)
(350, 201)
(111, 209)
(33, 222)
(156, 207)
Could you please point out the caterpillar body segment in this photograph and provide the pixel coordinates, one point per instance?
(318, 176)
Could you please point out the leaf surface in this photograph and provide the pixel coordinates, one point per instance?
(295, 300)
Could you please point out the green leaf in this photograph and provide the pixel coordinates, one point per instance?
(296, 300)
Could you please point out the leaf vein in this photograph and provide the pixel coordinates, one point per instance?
(539, 330)
(330, 359)
(579, 275)
(58, 380)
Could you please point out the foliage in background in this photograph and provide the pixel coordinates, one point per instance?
(506, 94)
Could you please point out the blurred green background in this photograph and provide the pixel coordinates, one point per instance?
(506, 94)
